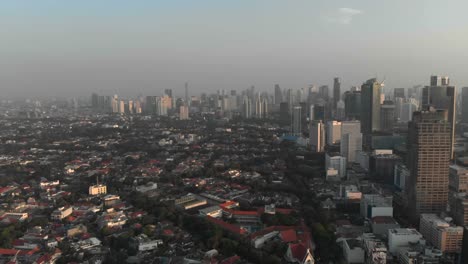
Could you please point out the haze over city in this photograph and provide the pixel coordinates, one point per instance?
(73, 48)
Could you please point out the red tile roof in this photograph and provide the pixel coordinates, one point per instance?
(289, 235)
(226, 226)
(298, 251)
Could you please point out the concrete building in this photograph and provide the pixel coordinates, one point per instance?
(353, 251)
(213, 211)
(351, 139)
(333, 132)
(61, 213)
(97, 189)
(441, 234)
(317, 136)
(387, 116)
(189, 201)
(402, 237)
(441, 97)
(183, 112)
(375, 249)
(429, 149)
(337, 162)
(247, 107)
(296, 118)
(373, 205)
(381, 224)
(401, 175)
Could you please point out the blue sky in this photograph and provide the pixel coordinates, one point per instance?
(72, 48)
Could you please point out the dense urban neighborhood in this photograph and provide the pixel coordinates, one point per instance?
(230, 179)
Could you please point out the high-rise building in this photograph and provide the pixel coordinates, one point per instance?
(340, 113)
(261, 107)
(278, 95)
(317, 136)
(94, 100)
(247, 107)
(429, 146)
(187, 99)
(296, 124)
(323, 92)
(333, 132)
(317, 112)
(370, 111)
(407, 110)
(353, 105)
(168, 92)
(387, 116)
(351, 139)
(183, 112)
(464, 105)
(398, 93)
(441, 96)
(458, 189)
(336, 92)
(115, 104)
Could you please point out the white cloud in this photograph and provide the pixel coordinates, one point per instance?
(343, 15)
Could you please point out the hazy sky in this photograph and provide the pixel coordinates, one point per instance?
(72, 48)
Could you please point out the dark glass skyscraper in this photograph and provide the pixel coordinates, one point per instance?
(370, 111)
(336, 91)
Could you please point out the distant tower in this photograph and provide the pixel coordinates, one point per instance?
(336, 92)
(183, 112)
(387, 116)
(247, 107)
(186, 94)
(317, 136)
(296, 126)
(278, 95)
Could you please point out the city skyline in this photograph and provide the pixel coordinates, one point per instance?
(73, 49)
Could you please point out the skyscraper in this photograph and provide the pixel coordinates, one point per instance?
(333, 132)
(464, 105)
(183, 112)
(323, 92)
(429, 153)
(247, 107)
(353, 105)
(441, 96)
(370, 111)
(168, 92)
(351, 139)
(296, 125)
(186, 94)
(336, 92)
(278, 95)
(387, 116)
(398, 93)
(261, 107)
(317, 136)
